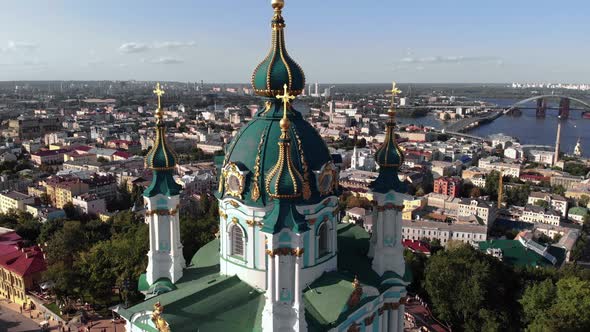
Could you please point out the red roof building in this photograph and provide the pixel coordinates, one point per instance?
(20, 268)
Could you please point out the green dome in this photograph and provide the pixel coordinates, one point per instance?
(389, 157)
(161, 159)
(161, 156)
(278, 68)
(255, 151)
(284, 180)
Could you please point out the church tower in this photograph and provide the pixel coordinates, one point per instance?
(388, 191)
(278, 194)
(166, 260)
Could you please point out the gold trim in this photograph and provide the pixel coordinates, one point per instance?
(232, 170)
(163, 212)
(306, 185)
(222, 214)
(297, 252)
(235, 220)
(234, 204)
(255, 194)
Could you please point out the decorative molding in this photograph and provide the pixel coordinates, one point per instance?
(297, 252)
(369, 320)
(163, 212)
(222, 214)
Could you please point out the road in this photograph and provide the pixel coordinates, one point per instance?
(11, 321)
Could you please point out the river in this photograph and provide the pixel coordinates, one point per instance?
(528, 128)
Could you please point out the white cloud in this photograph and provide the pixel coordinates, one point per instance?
(15, 46)
(25, 63)
(452, 59)
(174, 44)
(135, 47)
(167, 61)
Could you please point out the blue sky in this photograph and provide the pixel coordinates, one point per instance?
(344, 41)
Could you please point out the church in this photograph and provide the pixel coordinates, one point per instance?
(282, 261)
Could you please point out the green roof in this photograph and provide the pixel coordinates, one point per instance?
(161, 155)
(284, 215)
(162, 183)
(278, 68)
(389, 157)
(256, 147)
(514, 253)
(162, 160)
(326, 298)
(207, 301)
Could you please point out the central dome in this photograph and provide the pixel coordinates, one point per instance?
(255, 151)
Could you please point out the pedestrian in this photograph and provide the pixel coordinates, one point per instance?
(21, 309)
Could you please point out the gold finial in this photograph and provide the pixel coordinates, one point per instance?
(277, 4)
(159, 92)
(159, 321)
(394, 92)
(356, 283)
(286, 98)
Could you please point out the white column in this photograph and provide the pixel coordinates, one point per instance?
(384, 321)
(172, 238)
(393, 318)
(152, 233)
(270, 277)
(402, 318)
(297, 291)
(277, 278)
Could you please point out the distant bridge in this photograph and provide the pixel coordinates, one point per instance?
(542, 105)
(469, 123)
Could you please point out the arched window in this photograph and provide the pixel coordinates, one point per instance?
(237, 241)
(323, 244)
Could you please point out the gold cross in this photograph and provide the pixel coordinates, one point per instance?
(159, 92)
(286, 98)
(394, 91)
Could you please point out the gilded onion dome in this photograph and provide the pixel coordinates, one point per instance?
(278, 154)
(389, 156)
(278, 68)
(161, 159)
(284, 180)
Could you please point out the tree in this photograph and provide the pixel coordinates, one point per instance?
(475, 192)
(471, 290)
(583, 201)
(491, 186)
(557, 307)
(558, 190)
(416, 262)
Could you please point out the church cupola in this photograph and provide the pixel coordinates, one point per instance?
(284, 180)
(389, 156)
(162, 201)
(161, 159)
(278, 68)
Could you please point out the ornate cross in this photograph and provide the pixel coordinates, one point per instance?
(159, 92)
(394, 92)
(286, 98)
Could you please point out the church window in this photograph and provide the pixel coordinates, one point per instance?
(323, 247)
(237, 241)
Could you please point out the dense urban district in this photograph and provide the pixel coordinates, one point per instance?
(495, 234)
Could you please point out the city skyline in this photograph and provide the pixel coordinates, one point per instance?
(216, 41)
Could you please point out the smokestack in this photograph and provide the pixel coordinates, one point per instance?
(557, 142)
